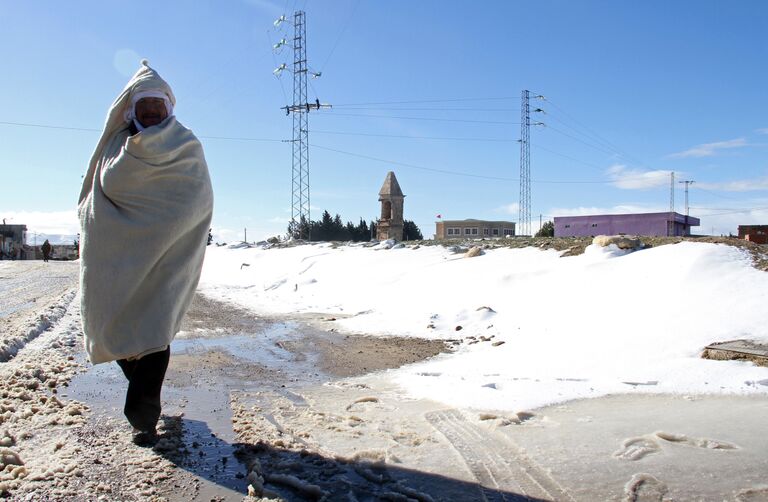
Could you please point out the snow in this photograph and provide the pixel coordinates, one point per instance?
(535, 328)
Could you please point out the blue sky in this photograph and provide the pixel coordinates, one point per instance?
(634, 90)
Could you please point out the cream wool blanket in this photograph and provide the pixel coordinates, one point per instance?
(145, 210)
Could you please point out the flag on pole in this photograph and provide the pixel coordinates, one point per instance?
(439, 216)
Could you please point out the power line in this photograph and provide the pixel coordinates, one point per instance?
(275, 140)
(65, 128)
(341, 34)
(22, 124)
(499, 140)
(737, 212)
(451, 109)
(229, 138)
(600, 168)
(461, 173)
(449, 100)
(715, 193)
(596, 147)
(333, 114)
(423, 168)
(594, 134)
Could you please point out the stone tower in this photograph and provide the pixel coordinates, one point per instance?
(391, 197)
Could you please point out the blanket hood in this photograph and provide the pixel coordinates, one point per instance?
(145, 210)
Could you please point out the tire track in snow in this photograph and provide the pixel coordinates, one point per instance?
(499, 466)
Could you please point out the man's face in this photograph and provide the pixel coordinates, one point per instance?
(150, 111)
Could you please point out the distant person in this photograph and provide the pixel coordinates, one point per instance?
(145, 209)
(46, 249)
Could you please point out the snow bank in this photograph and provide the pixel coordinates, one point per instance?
(11, 340)
(533, 328)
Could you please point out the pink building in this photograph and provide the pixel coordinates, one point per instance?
(650, 224)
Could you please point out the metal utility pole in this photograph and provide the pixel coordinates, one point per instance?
(671, 227)
(672, 192)
(300, 110)
(687, 183)
(525, 166)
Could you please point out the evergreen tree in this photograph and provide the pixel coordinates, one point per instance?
(299, 229)
(411, 232)
(351, 231)
(546, 230)
(339, 232)
(363, 233)
(325, 230)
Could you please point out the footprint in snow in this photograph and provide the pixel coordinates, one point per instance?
(709, 444)
(637, 448)
(644, 488)
(367, 399)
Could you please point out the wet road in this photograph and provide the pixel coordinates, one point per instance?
(26, 286)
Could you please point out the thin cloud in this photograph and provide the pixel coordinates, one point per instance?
(633, 179)
(266, 6)
(618, 209)
(513, 208)
(126, 61)
(710, 149)
(763, 130)
(44, 222)
(737, 185)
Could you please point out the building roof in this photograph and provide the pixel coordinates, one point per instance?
(474, 221)
(391, 188)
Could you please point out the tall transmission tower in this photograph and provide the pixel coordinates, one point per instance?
(672, 192)
(300, 207)
(687, 183)
(524, 219)
(671, 228)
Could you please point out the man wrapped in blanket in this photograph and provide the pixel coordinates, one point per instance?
(145, 209)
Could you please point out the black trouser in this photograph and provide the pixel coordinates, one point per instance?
(145, 380)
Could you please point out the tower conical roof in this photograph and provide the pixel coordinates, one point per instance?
(391, 188)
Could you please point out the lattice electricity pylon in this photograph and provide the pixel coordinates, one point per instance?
(524, 220)
(671, 230)
(300, 210)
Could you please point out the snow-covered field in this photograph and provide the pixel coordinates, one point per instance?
(532, 328)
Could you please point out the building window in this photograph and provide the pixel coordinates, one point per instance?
(450, 231)
(509, 231)
(467, 231)
(486, 231)
(474, 231)
(495, 231)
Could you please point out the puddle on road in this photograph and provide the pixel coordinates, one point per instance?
(12, 309)
(222, 348)
(205, 366)
(265, 349)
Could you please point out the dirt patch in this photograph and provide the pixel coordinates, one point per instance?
(311, 342)
(343, 355)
